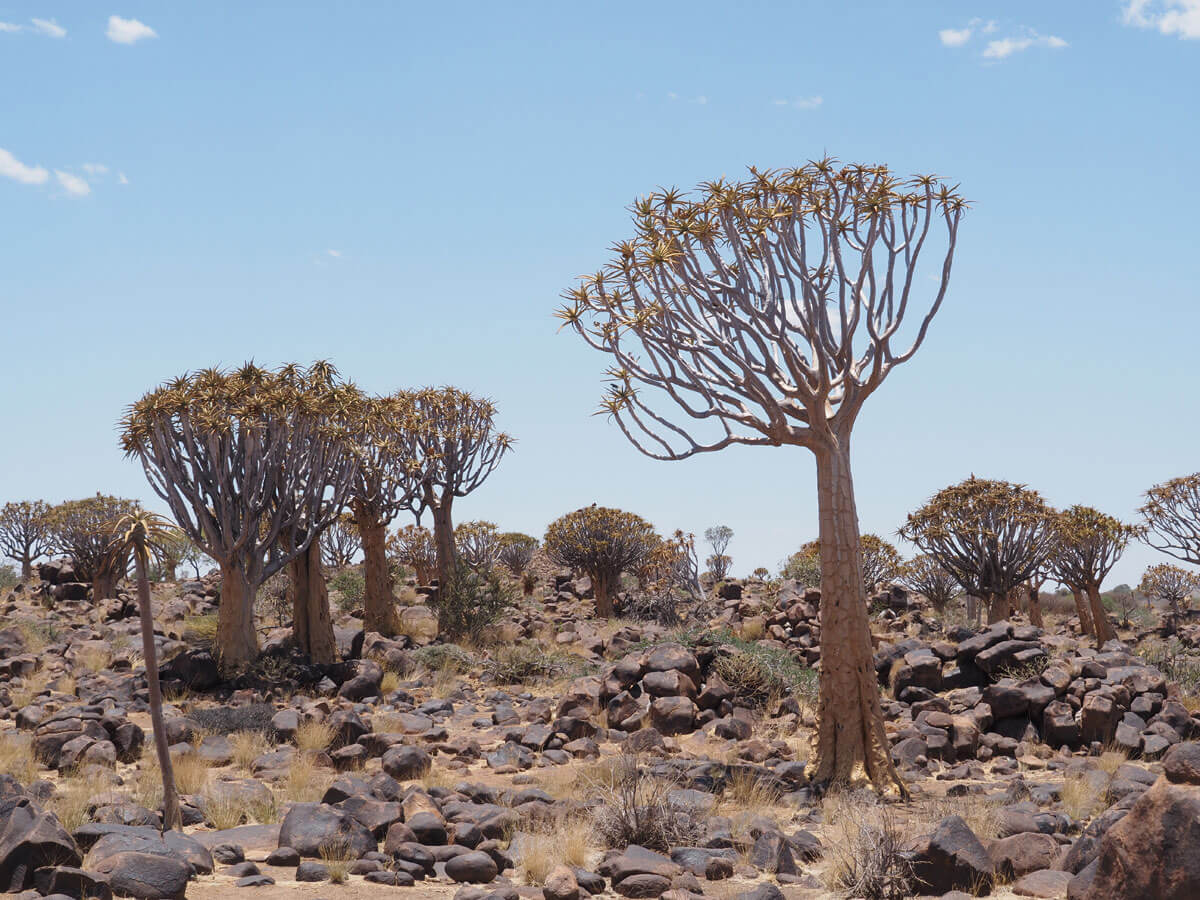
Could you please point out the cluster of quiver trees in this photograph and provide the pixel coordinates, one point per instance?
(256, 464)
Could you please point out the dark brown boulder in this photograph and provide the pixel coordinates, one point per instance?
(31, 839)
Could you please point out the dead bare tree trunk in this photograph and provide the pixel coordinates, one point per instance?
(172, 817)
(1035, 606)
(998, 607)
(1104, 630)
(379, 612)
(850, 717)
(312, 625)
(237, 641)
(443, 539)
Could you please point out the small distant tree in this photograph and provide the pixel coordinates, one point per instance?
(1121, 597)
(882, 563)
(193, 556)
(477, 544)
(762, 573)
(171, 548)
(253, 464)
(990, 535)
(931, 580)
(413, 546)
(82, 530)
(667, 577)
(340, 542)
(1087, 545)
(804, 566)
(516, 551)
(602, 543)
(718, 538)
(25, 532)
(459, 446)
(1171, 518)
(1172, 585)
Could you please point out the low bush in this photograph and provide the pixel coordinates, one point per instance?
(637, 807)
(470, 601)
(351, 588)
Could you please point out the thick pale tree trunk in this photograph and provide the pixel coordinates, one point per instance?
(312, 625)
(602, 590)
(850, 732)
(237, 641)
(1104, 629)
(379, 612)
(172, 817)
(104, 585)
(443, 539)
(1035, 606)
(26, 568)
(998, 607)
(1081, 609)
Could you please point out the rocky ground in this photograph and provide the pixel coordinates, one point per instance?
(563, 757)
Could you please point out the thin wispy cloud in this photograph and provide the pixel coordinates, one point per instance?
(72, 184)
(121, 179)
(336, 254)
(128, 31)
(11, 167)
(1170, 17)
(49, 27)
(9, 27)
(1000, 48)
(95, 168)
(813, 102)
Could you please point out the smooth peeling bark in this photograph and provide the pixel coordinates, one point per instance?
(379, 605)
(172, 817)
(602, 590)
(850, 732)
(26, 567)
(312, 624)
(1035, 607)
(237, 641)
(443, 539)
(1085, 614)
(998, 607)
(104, 585)
(1103, 627)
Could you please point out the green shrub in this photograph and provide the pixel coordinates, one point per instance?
(443, 657)
(530, 661)
(470, 601)
(351, 587)
(8, 578)
(803, 566)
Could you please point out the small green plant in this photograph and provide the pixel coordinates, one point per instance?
(803, 566)
(8, 577)
(470, 601)
(530, 661)
(351, 587)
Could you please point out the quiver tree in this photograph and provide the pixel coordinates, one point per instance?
(718, 538)
(477, 544)
(1171, 517)
(413, 546)
(141, 534)
(804, 566)
(25, 532)
(171, 548)
(516, 551)
(459, 447)
(1087, 545)
(82, 530)
(882, 563)
(931, 580)
(602, 543)
(388, 481)
(990, 535)
(253, 464)
(1171, 585)
(340, 542)
(765, 313)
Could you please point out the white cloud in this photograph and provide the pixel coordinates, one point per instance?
(671, 95)
(128, 31)
(121, 179)
(801, 102)
(95, 168)
(48, 27)
(701, 100)
(1181, 17)
(73, 184)
(954, 37)
(1006, 47)
(9, 27)
(11, 167)
(336, 254)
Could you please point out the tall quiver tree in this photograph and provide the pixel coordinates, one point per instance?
(25, 532)
(1171, 517)
(388, 481)
(82, 530)
(765, 313)
(990, 535)
(1088, 544)
(458, 447)
(244, 459)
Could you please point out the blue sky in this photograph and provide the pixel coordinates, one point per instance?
(406, 188)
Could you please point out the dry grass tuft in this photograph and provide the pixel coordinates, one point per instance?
(337, 856)
(569, 843)
(866, 848)
(982, 815)
(314, 735)
(24, 691)
(636, 807)
(747, 792)
(247, 747)
(389, 683)
(17, 758)
(95, 659)
(1112, 759)
(191, 772)
(1082, 797)
(72, 802)
(305, 782)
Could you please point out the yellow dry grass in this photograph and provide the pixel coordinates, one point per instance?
(17, 759)
(305, 782)
(314, 735)
(569, 843)
(247, 747)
